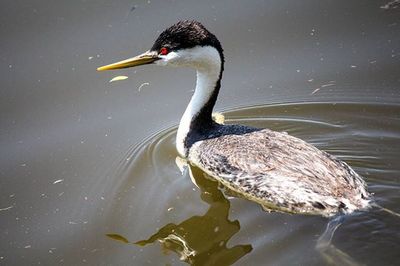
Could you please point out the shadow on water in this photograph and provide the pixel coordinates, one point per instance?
(152, 195)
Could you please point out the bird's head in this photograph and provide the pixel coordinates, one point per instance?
(186, 43)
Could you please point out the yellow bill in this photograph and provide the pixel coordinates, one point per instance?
(143, 59)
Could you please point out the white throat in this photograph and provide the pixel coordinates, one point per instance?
(207, 62)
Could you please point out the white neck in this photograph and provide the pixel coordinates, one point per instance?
(207, 77)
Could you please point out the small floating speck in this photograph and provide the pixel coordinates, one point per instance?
(90, 57)
(117, 78)
(353, 66)
(6, 208)
(143, 84)
(315, 91)
(58, 181)
(170, 209)
(28, 246)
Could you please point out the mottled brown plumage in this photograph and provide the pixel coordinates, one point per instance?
(281, 172)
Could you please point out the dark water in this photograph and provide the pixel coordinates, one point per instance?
(81, 157)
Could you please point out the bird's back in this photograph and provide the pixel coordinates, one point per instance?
(281, 172)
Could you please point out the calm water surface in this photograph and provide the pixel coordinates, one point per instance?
(81, 157)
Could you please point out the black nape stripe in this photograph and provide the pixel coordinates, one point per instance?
(187, 34)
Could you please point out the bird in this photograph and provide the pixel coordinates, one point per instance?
(280, 172)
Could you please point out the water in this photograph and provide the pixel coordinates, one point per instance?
(81, 157)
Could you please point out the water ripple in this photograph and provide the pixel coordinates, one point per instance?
(164, 199)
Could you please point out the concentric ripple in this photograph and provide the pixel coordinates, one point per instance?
(199, 223)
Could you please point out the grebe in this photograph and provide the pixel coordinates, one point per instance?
(274, 169)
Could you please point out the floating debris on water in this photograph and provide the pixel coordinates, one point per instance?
(58, 181)
(51, 250)
(328, 84)
(143, 84)
(315, 91)
(117, 78)
(6, 208)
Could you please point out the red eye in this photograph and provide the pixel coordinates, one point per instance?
(163, 51)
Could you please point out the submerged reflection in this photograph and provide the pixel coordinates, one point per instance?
(202, 240)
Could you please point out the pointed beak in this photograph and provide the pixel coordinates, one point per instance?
(143, 59)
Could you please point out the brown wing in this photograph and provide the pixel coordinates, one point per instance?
(278, 167)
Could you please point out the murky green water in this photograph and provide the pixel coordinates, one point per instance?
(202, 226)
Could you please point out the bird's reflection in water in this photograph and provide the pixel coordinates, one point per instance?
(202, 240)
